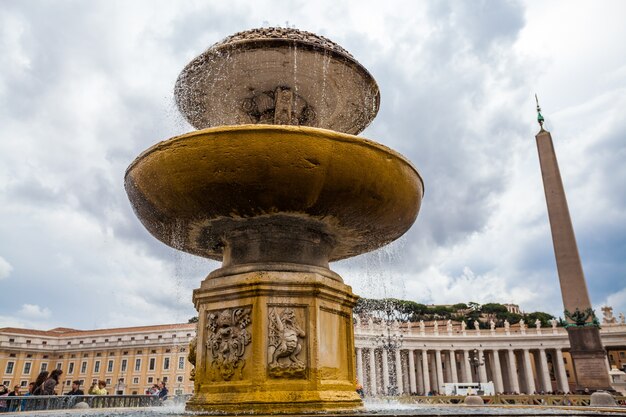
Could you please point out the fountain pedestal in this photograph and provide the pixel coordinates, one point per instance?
(274, 341)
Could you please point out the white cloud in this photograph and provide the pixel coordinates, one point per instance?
(5, 268)
(34, 312)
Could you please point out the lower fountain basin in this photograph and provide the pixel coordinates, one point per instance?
(265, 193)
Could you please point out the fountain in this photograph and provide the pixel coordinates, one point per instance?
(275, 185)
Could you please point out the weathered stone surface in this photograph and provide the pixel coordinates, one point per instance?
(316, 368)
(81, 406)
(241, 81)
(259, 194)
(473, 400)
(602, 399)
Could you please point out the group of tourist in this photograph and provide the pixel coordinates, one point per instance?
(158, 390)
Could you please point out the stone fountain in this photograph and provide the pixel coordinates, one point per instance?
(275, 185)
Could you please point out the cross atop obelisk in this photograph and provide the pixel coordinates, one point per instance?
(587, 353)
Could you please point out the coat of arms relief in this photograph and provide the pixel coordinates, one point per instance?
(286, 358)
(227, 338)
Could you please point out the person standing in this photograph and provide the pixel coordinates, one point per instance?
(53, 380)
(101, 390)
(13, 404)
(163, 392)
(76, 389)
(41, 378)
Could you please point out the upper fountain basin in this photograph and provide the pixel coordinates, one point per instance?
(194, 191)
(277, 76)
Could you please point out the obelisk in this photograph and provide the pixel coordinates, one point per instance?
(586, 350)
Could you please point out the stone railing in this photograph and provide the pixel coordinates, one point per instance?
(545, 400)
(60, 402)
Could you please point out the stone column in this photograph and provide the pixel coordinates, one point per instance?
(497, 372)
(452, 364)
(359, 366)
(439, 366)
(545, 372)
(425, 372)
(467, 366)
(560, 371)
(385, 359)
(586, 347)
(412, 379)
(528, 371)
(482, 370)
(514, 381)
(373, 388)
(399, 376)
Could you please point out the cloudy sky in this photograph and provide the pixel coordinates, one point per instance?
(85, 86)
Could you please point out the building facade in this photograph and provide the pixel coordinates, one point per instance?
(132, 359)
(129, 359)
(419, 360)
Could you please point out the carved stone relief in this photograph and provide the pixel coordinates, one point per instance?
(227, 338)
(285, 355)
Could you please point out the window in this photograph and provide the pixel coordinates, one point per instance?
(180, 378)
(44, 367)
(85, 355)
(181, 363)
(153, 351)
(68, 382)
(621, 354)
(181, 350)
(110, 366)
(29, 356)
(139, 352)
(137, 365)
(72, 356)
(132, 338)
(70, 368)
(124, 364)
(152, 364)
(28, 342)
(11, 340)
(150, 380)
(27, 366)
(119, 339)
(9, 370)
(83, 367)
(166, 364)
(45, 356)
(111, 353)
(6, 383)
(145, 338)
(23, 383)
(98, 354)
(96, 366)
(135, 380)
(168, 350)
(93, 341)
(164, 379)
(80, 343)
(59, 365)
(108, 381)
(125, 352)
(44, 343)
(188, 334)
(11, 355)
(69, 343)
(160, 336)
(106, 340)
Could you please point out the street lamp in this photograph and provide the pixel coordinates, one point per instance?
(475, 361)
(390, 343)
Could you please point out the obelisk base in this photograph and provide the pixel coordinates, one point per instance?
(589, 359)
(272, 342)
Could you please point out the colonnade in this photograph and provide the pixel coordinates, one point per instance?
(424, 370)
